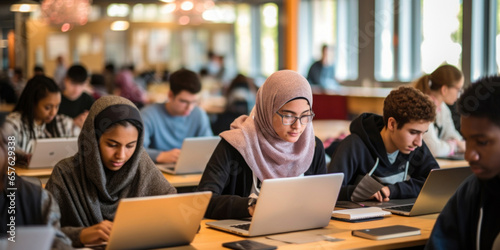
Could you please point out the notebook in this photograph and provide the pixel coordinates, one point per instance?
(158, 221)
(359, 213)
(194, 156)
(440, 185)
(49, 151)
(289, 204)
(31, 237)
(384, 233)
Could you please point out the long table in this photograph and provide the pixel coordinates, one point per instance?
(209, 238)
(187, 180)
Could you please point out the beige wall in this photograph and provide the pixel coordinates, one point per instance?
(37, 33)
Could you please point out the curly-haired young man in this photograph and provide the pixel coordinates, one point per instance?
(470, 218)
(385, 157)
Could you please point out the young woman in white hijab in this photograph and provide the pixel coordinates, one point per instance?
(111, 164)
(276, 140)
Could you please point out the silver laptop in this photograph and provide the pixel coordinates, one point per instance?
(48, 152)
(31, 237)
(289, 204)
(194, 156)
(158, 221)
(440, 185)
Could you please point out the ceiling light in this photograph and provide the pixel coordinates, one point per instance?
(120, 25)
(25, 6)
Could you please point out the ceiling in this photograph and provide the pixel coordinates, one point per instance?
(7, 17)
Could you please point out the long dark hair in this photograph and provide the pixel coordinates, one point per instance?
(36, 89)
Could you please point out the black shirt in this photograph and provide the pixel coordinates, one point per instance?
(230, 179)
(76, 107)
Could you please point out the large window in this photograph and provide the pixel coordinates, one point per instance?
(269, 39)
(384, 40)
(412, 37)
(497, 37)
(333, 23)
(442, 33)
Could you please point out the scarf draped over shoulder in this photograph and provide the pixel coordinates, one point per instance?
(85, 189)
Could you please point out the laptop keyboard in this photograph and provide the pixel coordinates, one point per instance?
(245, 226)
(406, 208)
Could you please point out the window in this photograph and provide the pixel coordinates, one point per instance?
(384, 40)
(243, 36)
(442, 34)
(347, 48)
(269, 39)
(497, 38)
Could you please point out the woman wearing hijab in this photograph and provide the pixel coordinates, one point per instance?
(111, 164)
(275, 141)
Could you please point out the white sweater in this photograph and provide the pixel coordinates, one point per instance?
(437, 141)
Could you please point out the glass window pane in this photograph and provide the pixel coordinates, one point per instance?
(269, 38)
(347, 40)
(442, 33)
(497, 37)
(384, 44)
(317, 27)
(406, 42)
(242, 30)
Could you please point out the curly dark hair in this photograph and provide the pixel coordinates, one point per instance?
(407, 104)
(482, 99)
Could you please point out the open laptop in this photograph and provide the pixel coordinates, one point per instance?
(454, 157)
(194, 156)
(31, 237)
(440, 185)
(289, 204)
(158, 221)
(49, 151)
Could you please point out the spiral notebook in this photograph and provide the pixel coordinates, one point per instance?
(362, 213)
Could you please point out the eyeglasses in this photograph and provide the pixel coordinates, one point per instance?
(460, 91)
(290, 119)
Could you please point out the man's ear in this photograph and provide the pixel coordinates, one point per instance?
(392, 124)
(170, 95)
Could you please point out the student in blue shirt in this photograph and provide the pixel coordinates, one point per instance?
(470, 219)
(166, 125)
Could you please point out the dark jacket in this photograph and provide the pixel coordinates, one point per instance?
(230, 179)
(357, 153)
(456, 226)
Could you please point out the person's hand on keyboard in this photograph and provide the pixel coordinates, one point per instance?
(97, 233)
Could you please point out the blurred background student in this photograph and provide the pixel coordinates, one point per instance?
(443, 86)
(240, 99)
(35, 116)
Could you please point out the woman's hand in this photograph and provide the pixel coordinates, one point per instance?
(97, 233)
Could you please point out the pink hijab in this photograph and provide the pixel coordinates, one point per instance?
(254, 137)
